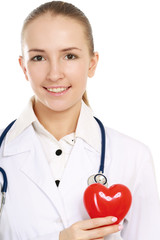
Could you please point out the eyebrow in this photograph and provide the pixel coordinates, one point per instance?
(36, 50)
(63, 50)
(71, 48)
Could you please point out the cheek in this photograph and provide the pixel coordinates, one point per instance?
(35, 73)
(78, 72)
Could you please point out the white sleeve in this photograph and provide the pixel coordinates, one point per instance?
(50, 236)
(143, 220)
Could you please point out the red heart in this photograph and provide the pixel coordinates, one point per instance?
(101, 201)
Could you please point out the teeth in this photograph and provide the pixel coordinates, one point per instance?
(56, 90)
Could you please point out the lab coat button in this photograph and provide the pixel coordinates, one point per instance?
(58, 152)
(57, 182)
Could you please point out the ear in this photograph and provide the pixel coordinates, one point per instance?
(93, 64)
(22, 65)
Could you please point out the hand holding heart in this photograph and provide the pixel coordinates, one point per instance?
(106, 207)
(101, 201)
(96, 228)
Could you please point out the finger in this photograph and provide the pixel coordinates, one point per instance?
(99, 239)
(96, 222)
(99, 233)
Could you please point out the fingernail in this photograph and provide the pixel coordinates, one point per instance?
(114, 219)
(120, 227)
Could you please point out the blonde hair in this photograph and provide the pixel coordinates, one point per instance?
(64, 9)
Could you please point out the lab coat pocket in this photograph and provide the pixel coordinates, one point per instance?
(54, 235)
(50, 236)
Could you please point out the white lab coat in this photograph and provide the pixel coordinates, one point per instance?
(37, 210)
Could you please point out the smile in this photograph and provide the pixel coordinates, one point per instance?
(57, 90)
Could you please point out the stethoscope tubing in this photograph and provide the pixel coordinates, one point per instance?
(103, 146)
(5, 132)
(100, 172)
(5, 181)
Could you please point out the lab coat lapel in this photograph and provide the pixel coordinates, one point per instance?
(82, 163)
(35, 166)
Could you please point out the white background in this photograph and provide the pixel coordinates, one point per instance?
(125, 92)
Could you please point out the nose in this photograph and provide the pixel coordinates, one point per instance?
(55, 71)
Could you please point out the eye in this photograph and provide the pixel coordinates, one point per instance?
(38, 58)
(70, 57)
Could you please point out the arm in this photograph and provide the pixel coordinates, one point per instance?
(143, 220)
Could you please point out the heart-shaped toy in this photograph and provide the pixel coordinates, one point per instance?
(101, 201)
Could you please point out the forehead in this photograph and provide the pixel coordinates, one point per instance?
(54, 31)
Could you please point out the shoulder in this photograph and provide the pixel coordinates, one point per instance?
(121, 139)
(129, 160)
(126, 146)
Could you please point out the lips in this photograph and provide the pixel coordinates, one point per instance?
(57, 90)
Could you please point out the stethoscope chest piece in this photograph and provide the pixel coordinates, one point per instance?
(97, 178)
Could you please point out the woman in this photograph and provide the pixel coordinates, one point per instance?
(55, 144)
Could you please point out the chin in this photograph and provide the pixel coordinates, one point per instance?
(62, 107)
(56, 107)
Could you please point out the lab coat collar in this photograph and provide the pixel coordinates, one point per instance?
(87, 129)
(22, 143)
(26, 118)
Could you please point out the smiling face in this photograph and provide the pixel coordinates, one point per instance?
(56, 61)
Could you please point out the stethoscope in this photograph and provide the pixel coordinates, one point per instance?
(96, 178)
(2, 171)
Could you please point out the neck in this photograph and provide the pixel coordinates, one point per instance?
(59, 124)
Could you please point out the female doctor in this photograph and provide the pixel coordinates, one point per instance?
(55, 144)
